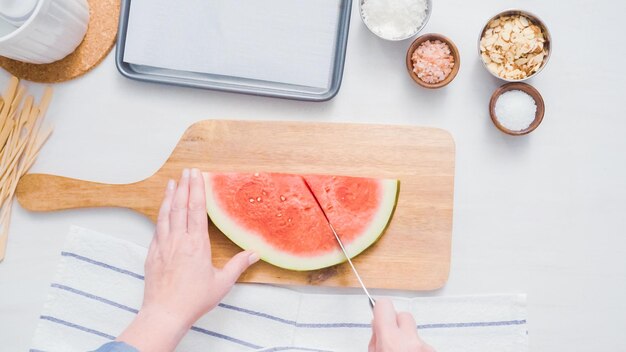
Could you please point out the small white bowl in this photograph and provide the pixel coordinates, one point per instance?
(53, 30)
(429, 8)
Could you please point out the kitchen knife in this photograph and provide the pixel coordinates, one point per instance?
(343, 248)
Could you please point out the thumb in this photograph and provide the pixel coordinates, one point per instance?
(238, 264)
(372, 345)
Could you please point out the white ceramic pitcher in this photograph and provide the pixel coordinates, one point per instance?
(41, 31)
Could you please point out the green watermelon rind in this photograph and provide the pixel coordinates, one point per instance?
(245, 240)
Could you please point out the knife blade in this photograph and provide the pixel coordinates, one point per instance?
(343, 248)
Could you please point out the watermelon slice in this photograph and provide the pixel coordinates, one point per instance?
(277, 216)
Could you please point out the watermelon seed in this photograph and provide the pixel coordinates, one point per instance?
(279, 214)
(258, 199)
(289, 220)
(251, 200)
(282, 199)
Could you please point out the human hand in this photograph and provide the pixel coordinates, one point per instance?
(181, 283)
(394, 332)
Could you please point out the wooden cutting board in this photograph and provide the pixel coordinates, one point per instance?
(413, 254)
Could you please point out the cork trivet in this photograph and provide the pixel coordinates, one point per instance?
(98, 42)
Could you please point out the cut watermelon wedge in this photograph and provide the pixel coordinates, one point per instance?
(276, 215)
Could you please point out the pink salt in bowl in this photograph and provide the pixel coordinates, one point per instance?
(454, 52)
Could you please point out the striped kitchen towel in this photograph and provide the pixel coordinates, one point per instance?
(99, 285)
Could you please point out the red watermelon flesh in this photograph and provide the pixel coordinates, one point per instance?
(277, 216)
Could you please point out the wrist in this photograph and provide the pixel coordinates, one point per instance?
(172, 321)
(155, 330)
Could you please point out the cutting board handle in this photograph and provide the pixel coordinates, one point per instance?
(41, 192)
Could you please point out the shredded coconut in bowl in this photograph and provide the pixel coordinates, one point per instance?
(394, 19)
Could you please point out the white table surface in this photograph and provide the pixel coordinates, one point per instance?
(542, 214)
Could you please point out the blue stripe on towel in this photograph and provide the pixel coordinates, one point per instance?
(472, 324)
(258, 314)
(291, 322)
(135, 311)
(76, 326)
(285, 348)
(94, 297)
(225, 337)
(194, 328)
(101, 264)
(332, 325)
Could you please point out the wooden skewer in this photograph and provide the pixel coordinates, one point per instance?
(4, 133)
(20, 136)
(7, 99)
(2, 118)
(11, 101)
(9, 95)
(19, 172)
(21, 139)
(5, 220)
(16, 133)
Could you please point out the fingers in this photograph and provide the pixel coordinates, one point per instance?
(197, 222)
(163, 220)
(178, 213)
(394, 329)
(407, 324)
(237, 265)
(384, 317)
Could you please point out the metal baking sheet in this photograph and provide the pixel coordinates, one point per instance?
(238, 84)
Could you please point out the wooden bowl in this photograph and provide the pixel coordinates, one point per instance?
(453, 49)
(526, 88)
